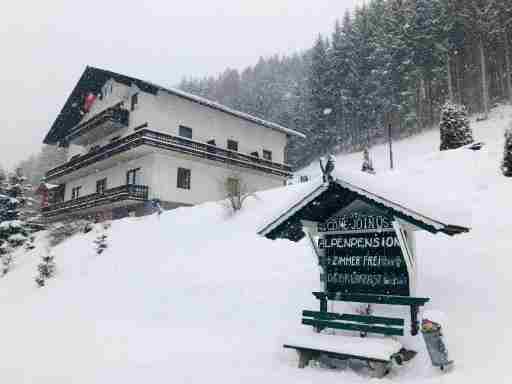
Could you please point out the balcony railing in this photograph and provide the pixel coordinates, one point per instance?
(115, 116)
(123, 192)
(171, 143)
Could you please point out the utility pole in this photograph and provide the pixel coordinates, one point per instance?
(390, 147)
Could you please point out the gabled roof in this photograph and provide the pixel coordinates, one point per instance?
(322, 200)
(93, 79)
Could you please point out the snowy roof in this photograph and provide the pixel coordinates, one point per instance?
(405, 197)
(93, 79)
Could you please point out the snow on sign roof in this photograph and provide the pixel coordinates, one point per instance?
(404, 197)
(93, 79)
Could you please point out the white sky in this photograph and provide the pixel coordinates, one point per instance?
(46, 44)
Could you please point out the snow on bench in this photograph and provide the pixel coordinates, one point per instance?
(376, 349)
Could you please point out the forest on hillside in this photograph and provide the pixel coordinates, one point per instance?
(388, 63)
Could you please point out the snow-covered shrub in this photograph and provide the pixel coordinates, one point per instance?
(237, 191)
(29, 244)
(101, 240)
(6, 263)
(454, 127)
(46, 269)
(506, 165)
(367, 162)
(101, 243)
(5, 257)
(58, 232)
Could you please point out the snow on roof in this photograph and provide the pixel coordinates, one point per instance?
(93, 79)
(415, 196)
(408, 193)
(234, 112)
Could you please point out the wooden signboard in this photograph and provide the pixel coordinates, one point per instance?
(362, 253)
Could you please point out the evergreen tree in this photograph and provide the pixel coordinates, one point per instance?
(454, 127)
(506, 165)
(367, 162)
(46, 269)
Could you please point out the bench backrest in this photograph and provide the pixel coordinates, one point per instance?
(351, 322)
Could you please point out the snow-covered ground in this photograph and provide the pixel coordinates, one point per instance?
(197, 296)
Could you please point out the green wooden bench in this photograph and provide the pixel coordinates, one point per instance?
(413, 302)
(364, 324)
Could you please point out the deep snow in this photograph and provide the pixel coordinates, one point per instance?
(196, 295)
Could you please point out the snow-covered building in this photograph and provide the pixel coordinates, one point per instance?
(130, 141)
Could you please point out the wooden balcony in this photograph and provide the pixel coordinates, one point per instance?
(123, 193)
(101, 124)
(146, 137)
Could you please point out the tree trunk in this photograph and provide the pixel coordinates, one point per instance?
(430, 101)
(485, 85)
(460, 78)
(450, 81)
(508, 68)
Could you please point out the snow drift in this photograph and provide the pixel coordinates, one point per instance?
(196, 295)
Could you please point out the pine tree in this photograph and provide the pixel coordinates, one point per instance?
(46, 269)
(367, 162)
(14, 232)
(101, 243)
(454, 127)
(506, 165)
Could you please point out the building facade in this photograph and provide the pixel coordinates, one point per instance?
(130, 142)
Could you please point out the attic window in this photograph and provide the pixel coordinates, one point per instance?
(134, 101)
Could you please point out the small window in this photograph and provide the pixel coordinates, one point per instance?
(233, 186)
(134, 101)
(185, 132)
(101, 186)
(233, 145)
(183, 178)
(132, 176)
(75, 192)
(304, 179)
(267, 155)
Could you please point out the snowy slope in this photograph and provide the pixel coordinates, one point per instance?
(196, 296)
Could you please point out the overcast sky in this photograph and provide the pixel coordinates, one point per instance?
(46, 44)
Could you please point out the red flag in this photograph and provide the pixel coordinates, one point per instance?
(89, 101)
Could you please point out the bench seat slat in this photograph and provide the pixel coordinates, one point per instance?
(352, 317)
(354, 327)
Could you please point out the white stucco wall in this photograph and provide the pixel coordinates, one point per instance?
(166, 112)
(159, 172)
(207, 181)
(116, 176)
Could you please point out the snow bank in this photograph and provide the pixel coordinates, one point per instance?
(197, 296)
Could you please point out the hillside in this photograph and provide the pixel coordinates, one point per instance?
(196, 295)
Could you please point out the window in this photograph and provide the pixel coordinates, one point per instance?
(75, 192)
(233, 186)
(185, 132)
(101, 186)
(132, 176)
(233, 145)
(267, 155)
(183, 178)
(134, 101)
